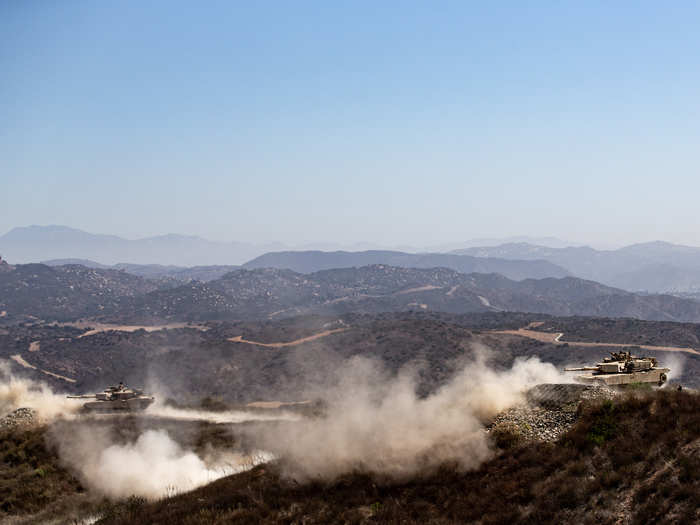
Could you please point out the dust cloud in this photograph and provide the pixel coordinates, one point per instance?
(226, 416)
(676, 363)
(152, 466)
(18, 392)
(376, 423)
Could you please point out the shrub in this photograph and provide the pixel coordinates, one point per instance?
(604, 426)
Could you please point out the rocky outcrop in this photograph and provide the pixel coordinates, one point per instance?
(550, 410)
(21, 417)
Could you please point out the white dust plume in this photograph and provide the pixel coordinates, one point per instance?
(164, 390)
(376, 423)
(675, 362)
(17, 392)
(152, 466)
(226, 416)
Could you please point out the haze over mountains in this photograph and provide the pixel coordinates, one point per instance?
(30, 244)
(40, 243)
(314, 261)
(652, 267)
(655, 267)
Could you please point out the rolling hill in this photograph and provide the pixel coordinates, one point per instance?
(314, 261)
(72, 291)
(155, 271)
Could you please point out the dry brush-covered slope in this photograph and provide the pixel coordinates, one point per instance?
(635, 461)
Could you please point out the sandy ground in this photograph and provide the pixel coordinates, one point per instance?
(17, 358)
(554, 338)
(239, 339)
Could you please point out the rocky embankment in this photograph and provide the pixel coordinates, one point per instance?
(548, 411)
(21, 417)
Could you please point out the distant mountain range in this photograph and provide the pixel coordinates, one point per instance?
(40, 243)
(154, 271)
(186, 257)
(314, 261)
(550, 242)
(655, 267)
(32, 244)
(651, 267)
(71, 292)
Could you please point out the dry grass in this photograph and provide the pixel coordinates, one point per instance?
(30, 477)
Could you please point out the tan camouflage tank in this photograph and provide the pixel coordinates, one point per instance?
(622, 368)
(116, 398)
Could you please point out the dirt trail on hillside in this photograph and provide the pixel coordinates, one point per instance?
(239, 339)
(96, 328)
(17, 358)
(425, 288)
(555, 338)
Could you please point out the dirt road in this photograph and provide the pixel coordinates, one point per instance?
(239, 339)
(96, 328)
(555, 338)
(17, 358)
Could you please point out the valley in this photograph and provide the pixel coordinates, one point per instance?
(222, 360)
(342, 394)
(354, 263)
(407, 377)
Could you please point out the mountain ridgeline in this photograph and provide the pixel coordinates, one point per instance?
(314, 261)
(40, 243)
(652, 267)
(72, 292)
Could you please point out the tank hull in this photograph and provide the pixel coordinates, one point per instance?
(119, 405)
(656, 376)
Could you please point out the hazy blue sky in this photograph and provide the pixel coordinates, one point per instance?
(391, 122)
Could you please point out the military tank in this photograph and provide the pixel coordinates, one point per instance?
(622, 368)
(116, 398)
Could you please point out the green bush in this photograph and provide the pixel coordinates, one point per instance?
(604, 426)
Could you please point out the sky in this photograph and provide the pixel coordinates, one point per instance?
(386, 122)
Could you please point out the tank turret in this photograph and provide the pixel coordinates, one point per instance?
(622, 368)
(116, 398)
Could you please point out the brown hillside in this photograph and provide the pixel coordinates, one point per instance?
(636, 461)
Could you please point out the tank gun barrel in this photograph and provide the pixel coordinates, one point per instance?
(581, 369)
